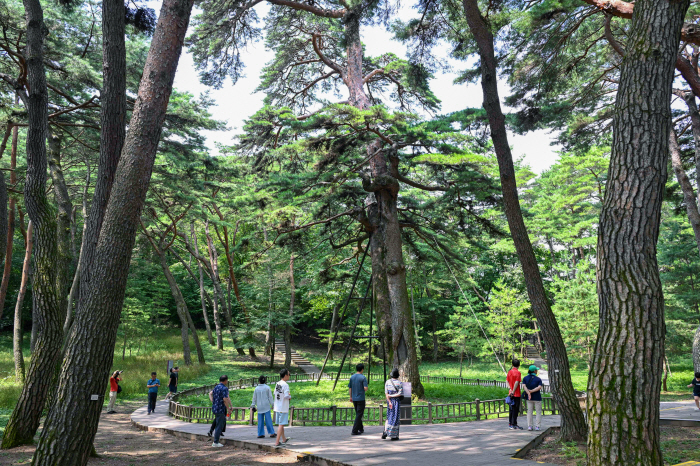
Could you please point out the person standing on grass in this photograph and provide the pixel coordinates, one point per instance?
(533, 388)
(695, 383)
(262, 401)
(358, 387)
(282, 397)
(113, 390)
(152, 386)
(514, 378)
(172, 385)
(221, 407)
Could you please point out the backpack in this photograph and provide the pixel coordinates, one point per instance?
(119, 388)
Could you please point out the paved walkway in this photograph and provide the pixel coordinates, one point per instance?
(479, 443)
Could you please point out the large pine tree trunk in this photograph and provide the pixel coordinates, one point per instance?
(70, 426)
(17, 334)
(625, 376)
(385, 188)
(573, 426)
(691, 205)
(334, 322)
(48, 318)
(696, 350)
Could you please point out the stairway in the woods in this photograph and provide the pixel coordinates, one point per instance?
(532, 353)
(297, 359)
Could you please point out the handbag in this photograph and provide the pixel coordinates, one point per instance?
(400, 397)
(119, 388)
(509, 401)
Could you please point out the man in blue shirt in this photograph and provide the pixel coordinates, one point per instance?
(533, 389)
(221, 406)
(358, 387)
(152, 386)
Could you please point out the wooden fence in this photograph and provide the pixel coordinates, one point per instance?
(334, 415)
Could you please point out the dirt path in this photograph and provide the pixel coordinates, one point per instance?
(118, 443)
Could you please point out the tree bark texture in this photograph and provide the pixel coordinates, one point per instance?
(75, 286)
(334, 322)
(112, 126)
(696, 350)
(70, 426)
(623, 385)
(691, 205)
(180, 306)
(17, 334)
(48, 316)
(573, 426)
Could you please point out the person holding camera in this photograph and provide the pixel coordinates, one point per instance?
(114, 388)
(262, 401)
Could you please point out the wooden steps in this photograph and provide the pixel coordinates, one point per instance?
(304, 364)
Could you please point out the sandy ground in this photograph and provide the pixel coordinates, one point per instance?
(118, 443)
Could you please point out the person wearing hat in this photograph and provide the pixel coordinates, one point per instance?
(533, 391)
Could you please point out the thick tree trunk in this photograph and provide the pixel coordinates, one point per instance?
(17, 334)
(623, 385)
(112, 127)
(70, 426)
(573, 426)
(385, 188)
(218, 326)
(48, 318)
(435, 338)
(288, 327)
(180, 306)
(195, 338)
(202, 293)
(269, 341)
(75, 286)
(381, 290)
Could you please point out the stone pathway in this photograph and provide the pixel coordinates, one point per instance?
(479, 443)
(297, 359)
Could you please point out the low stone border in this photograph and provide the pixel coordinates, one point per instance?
(534, 443)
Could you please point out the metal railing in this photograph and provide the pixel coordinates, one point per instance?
(430, 413)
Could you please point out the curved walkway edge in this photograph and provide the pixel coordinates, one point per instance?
(482, 443)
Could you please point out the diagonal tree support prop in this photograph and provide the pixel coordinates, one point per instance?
(342, 316)
(352, 334)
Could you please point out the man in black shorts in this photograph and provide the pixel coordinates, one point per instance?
(695, 383)
(172, 385)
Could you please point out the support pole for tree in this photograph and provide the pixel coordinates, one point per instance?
(342, 316)
(352, 333)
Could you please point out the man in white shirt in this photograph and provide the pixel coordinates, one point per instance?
(282, 397)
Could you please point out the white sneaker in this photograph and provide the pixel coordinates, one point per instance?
(217, 445)
(697, 409)
(529, 427)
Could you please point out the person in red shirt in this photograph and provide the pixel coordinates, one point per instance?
(113, 389)
(514, 378)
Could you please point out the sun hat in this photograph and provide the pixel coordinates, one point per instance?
(533, 368)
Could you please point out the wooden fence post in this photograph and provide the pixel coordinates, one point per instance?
(251, 416)
(554, 407)
(291, 416)
(333, 414)
(478, 413)
(381, 414)
(477, 382)
(430, 412)
(189, 414)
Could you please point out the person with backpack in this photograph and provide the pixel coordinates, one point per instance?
(533, 388)
(262, 401)
(514, 378)
(114, 389)
(358, 386)
(152, 386)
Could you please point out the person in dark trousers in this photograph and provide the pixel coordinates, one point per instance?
(152, 386)
(221, 407)
(172, 385)
(358, 387)
(514, 379)
(213, 423)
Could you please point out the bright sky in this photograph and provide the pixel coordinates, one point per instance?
(237, 102)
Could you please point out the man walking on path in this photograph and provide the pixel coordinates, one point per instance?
(533, 387)
(282, 397)
(514, 379)
(262, 399)
(695, 383)
(358, 387)
(113, 390)
(221, 406)
(152, 386)
(172, 385)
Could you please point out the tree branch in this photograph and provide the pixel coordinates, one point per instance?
(330, 63)
(310, 8)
